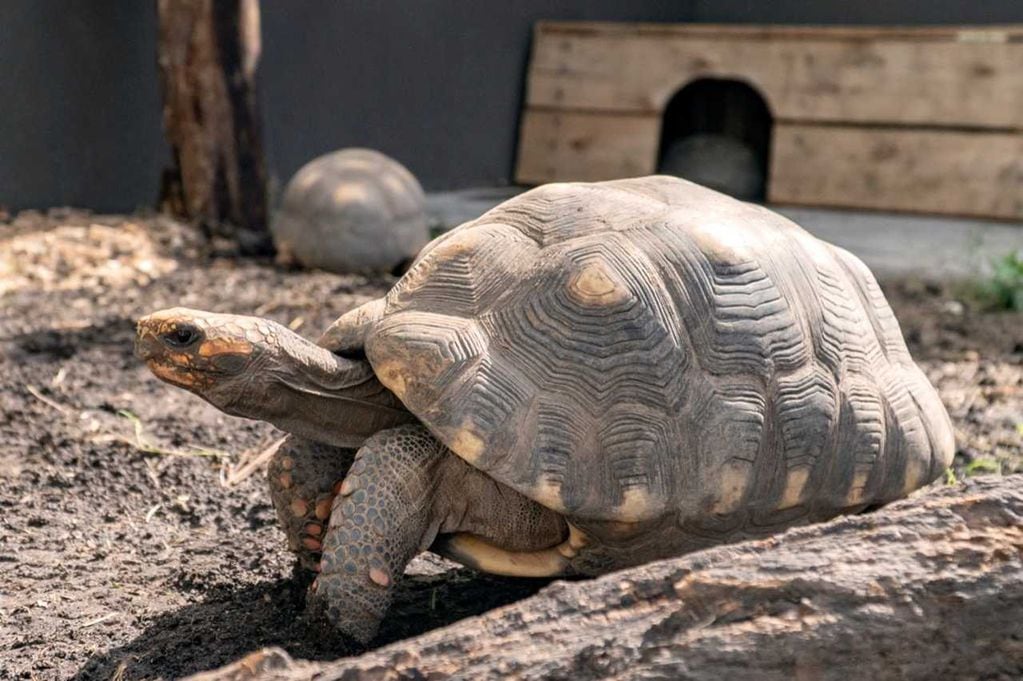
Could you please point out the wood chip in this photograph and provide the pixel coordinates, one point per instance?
(151, 512)
(99, 620)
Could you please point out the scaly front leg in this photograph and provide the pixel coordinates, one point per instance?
(305, 477)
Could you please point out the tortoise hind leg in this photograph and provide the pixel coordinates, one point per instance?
(304, 478)
(403, 491)
(555, 561)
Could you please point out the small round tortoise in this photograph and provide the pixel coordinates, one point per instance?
(353, 210)
(587, 377)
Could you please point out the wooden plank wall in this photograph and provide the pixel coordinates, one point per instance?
(596, 95)
(587, 146)
(934, 171)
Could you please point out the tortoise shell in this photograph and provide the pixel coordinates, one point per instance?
(353, 210)
(630, 349)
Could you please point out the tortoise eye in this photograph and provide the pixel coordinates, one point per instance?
(182, 336)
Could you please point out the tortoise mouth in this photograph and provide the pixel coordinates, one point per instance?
(190, 368)
(185, 376)
(172, 373)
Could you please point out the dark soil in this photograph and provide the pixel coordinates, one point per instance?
(126, 553)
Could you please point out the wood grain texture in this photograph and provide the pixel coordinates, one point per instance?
(869, 77)
(941, 109)
(986, 33)
(937, 171)
(930, 587)
(585, 145)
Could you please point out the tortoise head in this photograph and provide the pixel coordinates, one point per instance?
(202, 351)
(257, 368)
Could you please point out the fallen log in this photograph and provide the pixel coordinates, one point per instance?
(930, 587)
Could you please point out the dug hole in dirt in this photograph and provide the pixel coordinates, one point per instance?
(135, 543)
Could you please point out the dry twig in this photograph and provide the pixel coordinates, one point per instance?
(100, 620)
(34, 391)
(249, 462)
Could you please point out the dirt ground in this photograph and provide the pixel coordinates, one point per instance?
(128, 549)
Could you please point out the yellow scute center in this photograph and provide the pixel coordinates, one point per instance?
(467, 443)
(596, 284)
(392, 375)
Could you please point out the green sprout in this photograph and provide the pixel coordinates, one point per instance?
(1004, 288)
(145, 445)
(983, 466)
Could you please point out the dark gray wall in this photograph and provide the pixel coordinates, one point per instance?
(435, 83)
(79, 104)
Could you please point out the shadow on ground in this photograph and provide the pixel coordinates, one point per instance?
(230, 623)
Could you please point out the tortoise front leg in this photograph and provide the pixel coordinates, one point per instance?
(404, 489)
(304, 477)
(381, 519)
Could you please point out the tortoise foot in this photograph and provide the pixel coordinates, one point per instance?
(304, 478)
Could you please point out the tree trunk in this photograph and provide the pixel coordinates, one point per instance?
(927, 588)
(208, 52)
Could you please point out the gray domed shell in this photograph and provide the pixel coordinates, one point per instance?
(351, 211)
(644, 348)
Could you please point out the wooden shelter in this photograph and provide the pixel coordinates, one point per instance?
(904, 119)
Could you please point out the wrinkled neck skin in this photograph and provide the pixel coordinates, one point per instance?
(307, 390)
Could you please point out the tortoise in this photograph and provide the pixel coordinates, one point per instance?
(587, 377)
(351, 211)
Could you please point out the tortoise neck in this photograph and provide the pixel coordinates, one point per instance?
(317, 394)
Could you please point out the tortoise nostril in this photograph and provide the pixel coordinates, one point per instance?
(143, 350)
